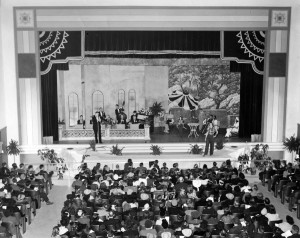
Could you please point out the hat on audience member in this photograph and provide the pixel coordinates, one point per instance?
(174, 202)
(230, 196)
(148, 224)
(187, 232)
(144, 196)
(115, 177)
(130, 175)
(146, 206)
(166, 234)
(63, 230)
(264, 211)
(126, 207)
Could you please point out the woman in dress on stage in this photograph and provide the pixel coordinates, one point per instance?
(233, 129)
(169, 119)
(180, 126)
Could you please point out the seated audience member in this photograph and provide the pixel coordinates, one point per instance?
(165, 203)
(271, 214)
(286, 225)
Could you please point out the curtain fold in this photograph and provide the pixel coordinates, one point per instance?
(49, 101)
(251, 92)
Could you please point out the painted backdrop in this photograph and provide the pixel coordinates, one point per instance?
(212, 86)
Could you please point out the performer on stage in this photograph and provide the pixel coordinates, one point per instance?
(81, 121)
(122, 117)
(169, 119)
(210, 135)
(133, 118)
(233, 129)
(102, 114)
(205, 123)
(180, 126)
(117, 111)
(96, 119)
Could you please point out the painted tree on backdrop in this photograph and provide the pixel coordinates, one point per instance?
(214, 86)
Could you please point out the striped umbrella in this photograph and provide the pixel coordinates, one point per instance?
(184, 100)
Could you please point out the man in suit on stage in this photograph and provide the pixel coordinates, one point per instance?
(117, 112)
(96, 119)
(102, 114)
(133, 118)
(122, 119)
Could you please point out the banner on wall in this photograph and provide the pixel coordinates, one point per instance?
(245, 47)
(58, 47)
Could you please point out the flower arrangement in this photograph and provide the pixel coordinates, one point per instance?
(109, 122)
(195, 149)
(156, 150)
(115, 150)
(50, 156)
(243, 158)
(260, 152)
(92, 145)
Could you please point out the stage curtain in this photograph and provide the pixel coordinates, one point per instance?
(49, 101)
(152, 44)
(251, 92)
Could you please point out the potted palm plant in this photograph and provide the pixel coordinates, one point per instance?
(13, 149)
(292, 145)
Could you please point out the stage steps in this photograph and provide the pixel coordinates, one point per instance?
(140, 148)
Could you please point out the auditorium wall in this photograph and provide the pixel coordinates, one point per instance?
(8, 72)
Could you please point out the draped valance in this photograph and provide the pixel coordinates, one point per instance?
(151, 43)
(241, 46)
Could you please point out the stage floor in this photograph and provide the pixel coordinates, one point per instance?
(172, 137)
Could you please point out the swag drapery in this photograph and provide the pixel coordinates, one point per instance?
(58, 48)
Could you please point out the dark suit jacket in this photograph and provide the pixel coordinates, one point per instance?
(117, 112)
(102, 116)
(132, 119)
(95, 123)
(120, 118)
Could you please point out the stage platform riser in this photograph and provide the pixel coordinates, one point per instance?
(138, 148)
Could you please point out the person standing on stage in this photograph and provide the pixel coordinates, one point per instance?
(206, 122)
(96, 119)
(102, 114)
(210, 135)
(117, 112)
(180, 126)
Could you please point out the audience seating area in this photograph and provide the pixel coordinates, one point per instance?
(284, 180)
(161, 202)
(21, 192)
